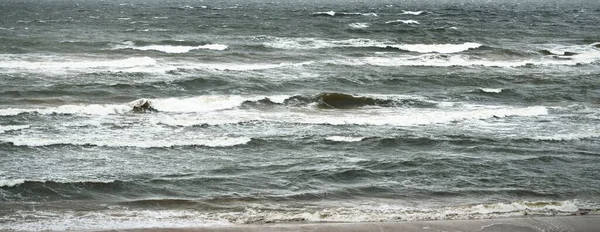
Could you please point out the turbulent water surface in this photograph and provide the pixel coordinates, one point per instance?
(296, 111)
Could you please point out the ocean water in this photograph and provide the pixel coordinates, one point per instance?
(296, 111)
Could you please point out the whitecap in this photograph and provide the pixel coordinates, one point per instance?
(567, 136)
(171, 48)
(491, 90)
(11, 182)
(129, 140)
(344, 139)
(44, 64)
(94, 109)
(438, 48)
(413, 12)
(313, 43)
(410, 21)
(359, 25)
(330, 13)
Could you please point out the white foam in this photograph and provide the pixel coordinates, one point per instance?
(94, 109)
(411, 117)
(128, 139)
(11, 182)
(344, 139)
(243, 67)
(490, 90)
(45, 64)
(330, 13)
(413, 12)
(365, 116)
(171, 48)
(568, 136)
(312, 43)
(438, 60)
(205, 103)
(410, 21)
(201, 103)
(122, 218)
(359, 25)
(112, 219)
(438, 48)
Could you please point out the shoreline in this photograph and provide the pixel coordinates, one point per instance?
(582, 223)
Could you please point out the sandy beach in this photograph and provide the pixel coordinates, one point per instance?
(525, 224)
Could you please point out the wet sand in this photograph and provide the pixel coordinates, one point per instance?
(585, 223)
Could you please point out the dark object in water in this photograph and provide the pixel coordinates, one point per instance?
(143, 105)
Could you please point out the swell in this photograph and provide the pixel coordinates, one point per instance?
(340, 101)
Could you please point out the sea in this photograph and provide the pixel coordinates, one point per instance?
(296, 111)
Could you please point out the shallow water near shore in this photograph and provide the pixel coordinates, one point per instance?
(283, 112)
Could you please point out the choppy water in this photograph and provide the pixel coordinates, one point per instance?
(296, 111)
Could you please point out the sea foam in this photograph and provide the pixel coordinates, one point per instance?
(11, 182)
(413, 12)
(409, 21)
(313, 43)
(46, 64)
(171, 48)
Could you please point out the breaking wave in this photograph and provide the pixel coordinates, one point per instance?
(311, 43)
(413, 12)
(66, 64)
(410, 21)
(166, 48)
(123, 218)
(120, 141)
(342, 14)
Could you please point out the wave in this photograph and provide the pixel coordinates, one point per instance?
(22, 183)
(344, 139)
(491, 90)
(448, 60)
(311, 43)
(569, 136)
(117, 141)
(11, 182)
(345, 101)
(335, 14)
(359, 25)
(9, 128)
(166, 48)
(368, 211)
(410, 21)
(438, 48)
(324, 108)
(413, 12)
(46, 64)
(210, 103)
(94, 109)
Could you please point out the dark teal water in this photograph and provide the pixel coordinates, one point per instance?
(296, 112)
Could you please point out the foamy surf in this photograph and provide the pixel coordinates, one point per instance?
(409, 21)
(172, 48)
(312, 43)
(93, 109)
(448, 60)
(344, 139)
(67, 64)
(128, 139)
(359, 25)
(491, 90)
(123, 218)
(11, 182)
(413, 12)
